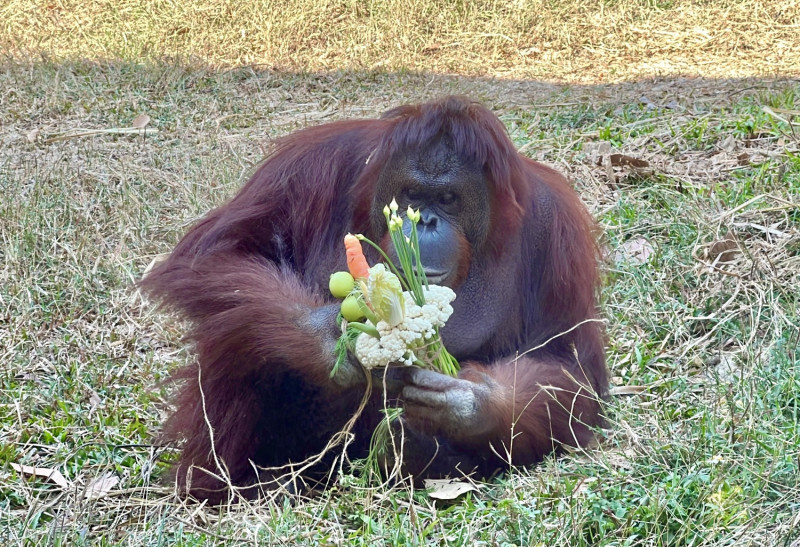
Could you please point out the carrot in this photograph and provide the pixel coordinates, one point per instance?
(356, 262)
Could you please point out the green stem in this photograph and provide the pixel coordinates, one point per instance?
(400, 245)
(363, 327)
(368, 313)
(420, 278)
(408, 253)
(386, 258)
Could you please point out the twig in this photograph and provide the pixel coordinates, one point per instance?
(112, 131)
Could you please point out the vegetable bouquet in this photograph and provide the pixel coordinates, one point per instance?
(392, 316)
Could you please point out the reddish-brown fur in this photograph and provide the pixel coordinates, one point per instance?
(248, 273)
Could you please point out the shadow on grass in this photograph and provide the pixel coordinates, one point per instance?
(700, 450)
(44, 90)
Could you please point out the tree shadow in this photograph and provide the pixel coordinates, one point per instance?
(47, 89)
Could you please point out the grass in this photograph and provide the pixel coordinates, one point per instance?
(593, 41)
(702, 245)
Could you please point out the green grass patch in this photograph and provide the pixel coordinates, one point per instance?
(701, 300)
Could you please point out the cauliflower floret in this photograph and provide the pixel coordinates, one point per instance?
(397, 344)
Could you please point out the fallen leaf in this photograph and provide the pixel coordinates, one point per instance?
(621, 459)
(158, 259)
(729, 144)
(784, 111)
(447, 489)
(726, 249)
(595, 151)
(635, 251)
(761, 228)
(774, 113)
(621, 160)
(140, 121)
(53, 475)
(32, 135)
(94, 398)
(101, 486)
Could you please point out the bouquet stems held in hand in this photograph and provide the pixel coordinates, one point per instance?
(393, 315)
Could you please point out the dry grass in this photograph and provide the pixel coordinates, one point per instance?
(706, 345)
(702, 277)
(587, 42)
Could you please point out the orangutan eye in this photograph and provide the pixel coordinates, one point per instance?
(448, 198)
(413, 195)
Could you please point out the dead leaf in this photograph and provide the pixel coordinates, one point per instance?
(784, 111)
(32, 135)
(636, 251)
(621, 160)
(729, 144)
(644, 100)
(94, 398)
(101, 486)
(774, 113)
(595, 151)
(447, 489)
(53, 475)
(726, 249)
(158, 259)
(141, 121)
(621, 459)
(771, 230)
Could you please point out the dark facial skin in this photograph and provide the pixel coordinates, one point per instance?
(452, 196)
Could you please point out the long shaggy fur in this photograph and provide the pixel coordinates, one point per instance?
(249, 272)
